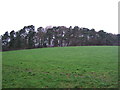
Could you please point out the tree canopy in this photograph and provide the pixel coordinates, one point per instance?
(56, 36)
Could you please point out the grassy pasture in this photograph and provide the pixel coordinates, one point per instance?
(61, 67)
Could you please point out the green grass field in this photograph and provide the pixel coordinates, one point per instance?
(61, 67)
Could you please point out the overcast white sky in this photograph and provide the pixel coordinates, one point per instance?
(97, 14)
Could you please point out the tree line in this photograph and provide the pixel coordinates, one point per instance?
(56, 36)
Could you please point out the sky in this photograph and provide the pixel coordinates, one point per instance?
(97, 14)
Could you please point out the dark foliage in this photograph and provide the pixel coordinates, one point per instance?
(59, 36)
